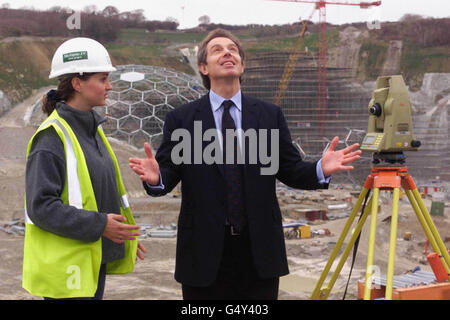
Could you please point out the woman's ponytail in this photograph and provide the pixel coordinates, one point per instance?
(64, 92)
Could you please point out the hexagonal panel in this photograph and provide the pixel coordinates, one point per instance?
(166, 72)
(177, 81)
(189, 93)
(154, 77)
(130, 96)
(129, 124)
(132, 76)
(184, 76)
(123, 68)
(113, 76)
(118, 110)
(101, 110)
(144, 69)
(198, 88)
(139, 138)
(154, 97)
(152, 125)
(142, 110)
(156, 141)
(109, 126)
(113, 96)
(162, 110)
(176, 101)
(120, 85)
(120, 135)
(166, 88)
(143, 85)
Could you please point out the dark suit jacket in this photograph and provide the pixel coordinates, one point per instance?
(203, 205)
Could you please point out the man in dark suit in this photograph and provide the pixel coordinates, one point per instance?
(230, 242)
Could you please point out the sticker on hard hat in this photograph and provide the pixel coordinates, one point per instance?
(73, 56)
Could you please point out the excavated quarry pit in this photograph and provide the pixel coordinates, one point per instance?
(153, 277)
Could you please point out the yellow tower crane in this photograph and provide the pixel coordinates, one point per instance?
(290, 64)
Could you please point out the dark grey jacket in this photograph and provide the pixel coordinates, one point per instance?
(46, 174)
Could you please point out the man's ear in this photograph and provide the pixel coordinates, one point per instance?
(203, 69)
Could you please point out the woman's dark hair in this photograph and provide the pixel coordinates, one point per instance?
(64, 91)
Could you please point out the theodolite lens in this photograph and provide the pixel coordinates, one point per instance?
(375, 110)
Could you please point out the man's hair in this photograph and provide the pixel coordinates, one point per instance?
(201, 55)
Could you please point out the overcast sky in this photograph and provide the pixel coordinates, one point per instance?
(239, 12)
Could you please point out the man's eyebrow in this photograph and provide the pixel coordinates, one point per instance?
(215, 45)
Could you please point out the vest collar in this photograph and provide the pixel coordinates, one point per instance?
(80, 121)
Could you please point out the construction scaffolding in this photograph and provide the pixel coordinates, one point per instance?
(347, 116)
(346, 102)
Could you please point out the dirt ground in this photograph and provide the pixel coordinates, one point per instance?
(153, 278)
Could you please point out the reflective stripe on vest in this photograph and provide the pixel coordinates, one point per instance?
(73, 183)
(125, 203)
(60, 267)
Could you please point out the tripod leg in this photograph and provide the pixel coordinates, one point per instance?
(316, 295)
(422, 220)
(443, 253)
(371, 248)
(347, 250)
(392, 244)
(425, 226)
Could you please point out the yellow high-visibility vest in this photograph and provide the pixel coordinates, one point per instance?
(60, 267)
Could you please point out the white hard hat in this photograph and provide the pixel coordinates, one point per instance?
(80, 55)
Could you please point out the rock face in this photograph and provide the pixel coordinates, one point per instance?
(393, 57)
(346, 54)
(5, 104)
(435, 86)
(431, 119)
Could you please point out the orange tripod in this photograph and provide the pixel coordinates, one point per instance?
(381, 178)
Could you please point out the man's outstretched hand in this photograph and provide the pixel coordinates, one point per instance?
(147, 169)
(337, 160)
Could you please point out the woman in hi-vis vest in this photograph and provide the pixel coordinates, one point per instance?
(79, 226)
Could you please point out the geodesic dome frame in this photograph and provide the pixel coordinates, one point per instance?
(140, 99)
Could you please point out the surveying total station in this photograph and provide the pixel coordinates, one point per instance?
(390, 130)
(389, 134)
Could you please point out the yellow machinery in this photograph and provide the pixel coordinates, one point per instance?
(289, 67)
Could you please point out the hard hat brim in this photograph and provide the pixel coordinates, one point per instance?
(85, 70)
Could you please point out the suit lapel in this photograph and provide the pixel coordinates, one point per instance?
(250, 120)
(250, 114)
(205, 115)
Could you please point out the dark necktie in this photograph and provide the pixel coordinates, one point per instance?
(233, 174)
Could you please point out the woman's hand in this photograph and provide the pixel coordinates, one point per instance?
(117, 231)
